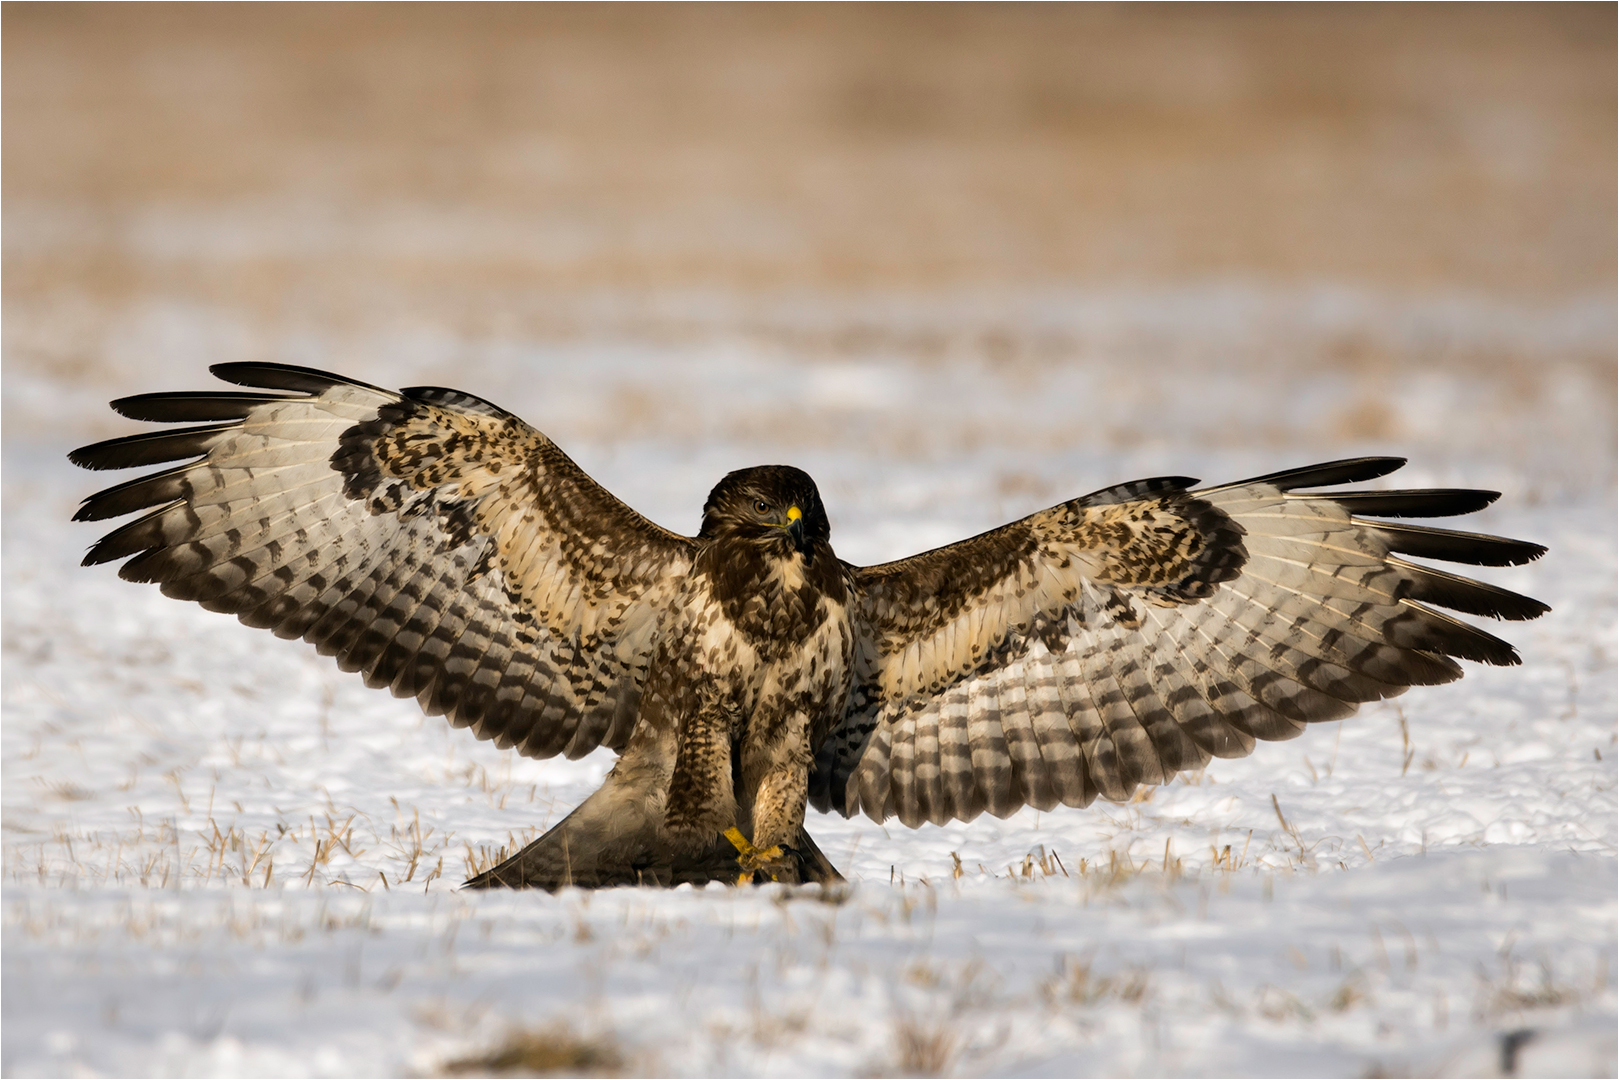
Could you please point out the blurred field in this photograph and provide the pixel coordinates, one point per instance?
(751, 148)
(1354, 197)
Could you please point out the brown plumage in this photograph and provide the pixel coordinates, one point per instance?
(446, 550)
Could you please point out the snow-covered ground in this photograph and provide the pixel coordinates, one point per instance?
(222, 856)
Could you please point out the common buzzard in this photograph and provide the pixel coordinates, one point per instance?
(451, 553)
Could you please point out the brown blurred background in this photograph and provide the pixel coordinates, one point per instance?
(384, 187)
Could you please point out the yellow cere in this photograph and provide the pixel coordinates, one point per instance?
(794, 513)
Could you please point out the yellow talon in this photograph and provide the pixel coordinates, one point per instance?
(751, 858)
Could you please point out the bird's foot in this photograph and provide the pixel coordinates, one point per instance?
(771, 860)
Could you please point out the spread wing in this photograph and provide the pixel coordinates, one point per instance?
(425, 538)
(1122, 637)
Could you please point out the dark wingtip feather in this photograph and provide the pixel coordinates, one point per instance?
(190, 406)
(85, 457)
(1465, 595)
(1346, 471)
(1412, 503)
(137, 536)
(303, 380)
(97, 508)
(1434, 631)
(148, 448)
(141, 493)
(1477, 549)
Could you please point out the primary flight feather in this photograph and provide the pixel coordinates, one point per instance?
(448, 551)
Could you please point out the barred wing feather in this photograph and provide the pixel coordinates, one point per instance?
(1123, 637)
(425, 538)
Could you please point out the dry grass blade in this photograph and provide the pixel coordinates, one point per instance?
(485, 856)
(922, 1048)
(548, 1051)
(1076, 983)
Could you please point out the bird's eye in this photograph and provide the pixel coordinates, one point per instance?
(760, 506)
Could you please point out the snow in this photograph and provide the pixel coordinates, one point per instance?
(224, 857)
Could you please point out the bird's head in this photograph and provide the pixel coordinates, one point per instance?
(773, 505)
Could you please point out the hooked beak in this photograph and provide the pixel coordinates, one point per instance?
(795, 529)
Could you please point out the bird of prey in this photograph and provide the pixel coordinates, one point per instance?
(448, 551)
